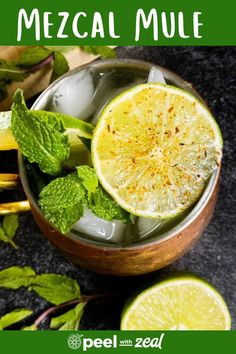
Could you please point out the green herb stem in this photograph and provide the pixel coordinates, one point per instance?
(41, 64)
(83, 298)
(13, 244)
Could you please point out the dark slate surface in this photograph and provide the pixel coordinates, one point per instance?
(212, 72)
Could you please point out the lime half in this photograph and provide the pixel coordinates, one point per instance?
(154, 148)
(180, 303)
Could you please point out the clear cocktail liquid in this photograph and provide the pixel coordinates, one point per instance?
(83, 95)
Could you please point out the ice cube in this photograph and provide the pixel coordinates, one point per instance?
(74, 94)
(100, 229)
(146, 226)
(107, 90)
(155, 75)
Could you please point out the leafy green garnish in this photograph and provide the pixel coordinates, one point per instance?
(8, 229)
(69, 320)
(15, 277)
(98, 200)
(63, 200)
(14, 317)
(88, 178)
(55, 288)
(10, 224)
(31, 60)
(106, 208)
(5, 238)
(71, 124)
(41, 141)
(10, 72)
(32, 56)
(42, 136)
(33, 327)
(35, 58)
(60, 66)
(103, 51)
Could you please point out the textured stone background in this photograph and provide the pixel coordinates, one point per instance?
(212, 72)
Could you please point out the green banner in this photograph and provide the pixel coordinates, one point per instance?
(149, 22)
(118, 342)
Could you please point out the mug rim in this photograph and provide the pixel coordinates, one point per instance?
(166, 235)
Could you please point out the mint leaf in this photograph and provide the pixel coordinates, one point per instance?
(10, 224)
(14, 317)
(71, 124)
(61, 201)
(98, 200)
(106, 208)
(37, 179)
(103, 51)
(41, 141)
(30, 328)
(60, 66)
(69, 320)
(15, 277)
(32, 55)
(10, 72)
(88, 178)
(55, 288)
(64, 218)
(5, 238)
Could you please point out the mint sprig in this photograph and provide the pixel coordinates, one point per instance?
(31, 60)
(60, 290)
(98, 200)
(42, 142)
(32, 56)
(42, 136)
(63, 200)
(54, 288)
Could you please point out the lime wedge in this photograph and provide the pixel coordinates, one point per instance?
(7, 141)
(79, 152)
(154, 148)
(72, 125)
(74, 128)
(179, 303)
